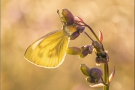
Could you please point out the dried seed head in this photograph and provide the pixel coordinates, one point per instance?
(68, 16)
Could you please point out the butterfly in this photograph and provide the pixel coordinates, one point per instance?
(49, 51)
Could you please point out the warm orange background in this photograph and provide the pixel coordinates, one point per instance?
(24, 21)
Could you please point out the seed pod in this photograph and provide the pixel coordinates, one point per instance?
(85, 70)
(96, 73)
(67, 15)
(73, 50)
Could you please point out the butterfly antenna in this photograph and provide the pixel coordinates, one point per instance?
(59, 16)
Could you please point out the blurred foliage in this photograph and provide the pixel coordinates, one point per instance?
(24, 21)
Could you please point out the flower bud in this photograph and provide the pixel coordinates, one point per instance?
(97, 46)
(85, 50)
(74, 35)
(80, 28)
(78, 19)
(98, 60)
(104, 54)
(68, 16)
(96, 73)
(84, 53)
(102, 57)
(90, 48)
(73, 50)
(85, 70)
(90, 80)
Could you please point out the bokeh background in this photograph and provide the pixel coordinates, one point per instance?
(24, 21)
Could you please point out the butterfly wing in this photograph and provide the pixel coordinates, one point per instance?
(49, 51)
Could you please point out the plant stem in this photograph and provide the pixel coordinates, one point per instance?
(106, 76)
(91, 31)
(106, 68)
(88, 36)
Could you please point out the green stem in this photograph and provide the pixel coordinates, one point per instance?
(106, 76)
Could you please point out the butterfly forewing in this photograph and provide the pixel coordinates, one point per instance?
(49, 51)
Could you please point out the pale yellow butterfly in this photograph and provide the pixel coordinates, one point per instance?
(49, 51)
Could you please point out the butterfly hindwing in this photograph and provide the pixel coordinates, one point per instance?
(49, 51)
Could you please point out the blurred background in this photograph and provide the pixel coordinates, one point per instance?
(24, 21)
